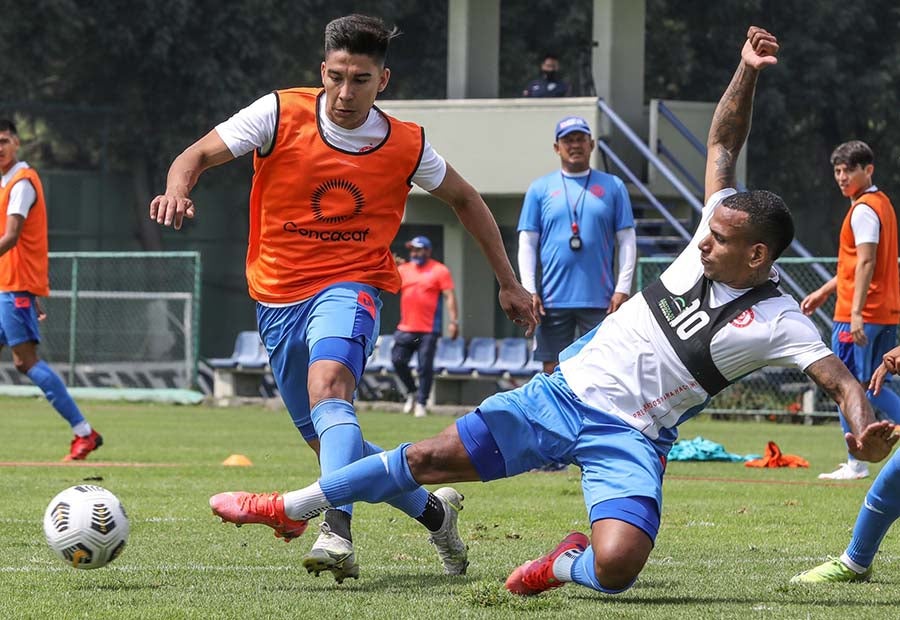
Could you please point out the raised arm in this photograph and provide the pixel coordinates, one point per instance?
(731, 120)
(474, 214)
(869, 440)
(175, 204)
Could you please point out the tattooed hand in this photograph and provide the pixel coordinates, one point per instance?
(760, 49)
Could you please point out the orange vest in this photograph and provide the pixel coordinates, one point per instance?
(883, 299)
(320, 215)
(25, 267)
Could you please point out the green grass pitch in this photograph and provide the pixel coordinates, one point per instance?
(731, 536)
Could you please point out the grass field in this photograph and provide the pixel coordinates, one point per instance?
(731, 536)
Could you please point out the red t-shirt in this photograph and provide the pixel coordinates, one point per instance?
(420, 295)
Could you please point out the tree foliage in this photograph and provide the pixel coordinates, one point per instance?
(127, 85)
(837, 80)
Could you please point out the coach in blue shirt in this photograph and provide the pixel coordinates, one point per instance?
(571, 223)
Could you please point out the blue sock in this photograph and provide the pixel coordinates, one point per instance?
(887, 401)
(55, 390)
(340, 438)
(880, 509)
(846, 428)
(373, 479)
(583, 573)
(413, 504)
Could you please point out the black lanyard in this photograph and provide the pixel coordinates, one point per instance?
(572, 209)
(574, 213)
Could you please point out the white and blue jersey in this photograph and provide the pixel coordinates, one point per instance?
(627, 368)
(597, 203)
(620, 391)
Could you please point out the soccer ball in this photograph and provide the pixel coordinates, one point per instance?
(86, 526)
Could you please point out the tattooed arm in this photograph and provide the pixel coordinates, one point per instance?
(731, 120)
(870, 440)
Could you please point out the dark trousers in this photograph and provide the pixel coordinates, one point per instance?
(407, 343)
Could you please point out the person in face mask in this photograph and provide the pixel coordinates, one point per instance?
(423, 282)
(549, 84)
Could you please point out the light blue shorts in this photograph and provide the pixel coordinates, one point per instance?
(18, 319)
(544, 422)
(347, 311)
(862, 361)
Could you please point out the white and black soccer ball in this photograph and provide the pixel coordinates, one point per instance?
(86, 526)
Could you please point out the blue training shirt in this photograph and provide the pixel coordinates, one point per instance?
(583, 278)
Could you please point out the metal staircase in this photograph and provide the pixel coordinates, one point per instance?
(659, 232)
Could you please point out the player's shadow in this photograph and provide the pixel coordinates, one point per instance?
(418, 582)
(645, 593)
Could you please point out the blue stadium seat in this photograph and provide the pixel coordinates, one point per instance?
(511, 357)
(450, 353)
(532, 366)
(249, 352)
(380, 360)
(482, 355)
(253, 354)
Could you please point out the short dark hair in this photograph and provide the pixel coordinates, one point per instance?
(8, 125)
(769, 218)
(359, 34)
(854, 153)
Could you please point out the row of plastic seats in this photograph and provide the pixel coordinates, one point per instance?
(249, 352)
(482, 356)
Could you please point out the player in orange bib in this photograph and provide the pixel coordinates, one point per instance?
(331, 177)
(867, 284)
(24, 275)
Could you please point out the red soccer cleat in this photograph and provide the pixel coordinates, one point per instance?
(536, 576)
(266, 509)
(82, 446)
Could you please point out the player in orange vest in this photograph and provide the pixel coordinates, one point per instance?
(331, 176)
(879, 511)
(867, 284)
(24, 277)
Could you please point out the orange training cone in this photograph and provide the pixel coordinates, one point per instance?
(237, 460)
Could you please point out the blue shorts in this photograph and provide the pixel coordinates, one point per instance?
(544, 422)
(345, 310)
(862, 361)
(559, 327)
(18, 319)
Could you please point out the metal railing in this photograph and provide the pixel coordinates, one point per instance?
(688, 135)
(685, 193)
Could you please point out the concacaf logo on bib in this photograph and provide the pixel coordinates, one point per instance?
(744, 318)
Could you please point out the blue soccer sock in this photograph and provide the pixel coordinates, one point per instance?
(340, 438)
(582, 572)
(887, 402)
(846, 429)
(55, 390)
(372, 479)
(413, 503)
(878, 512)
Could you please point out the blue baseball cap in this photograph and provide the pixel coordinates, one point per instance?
(572, 124)
(420, 242)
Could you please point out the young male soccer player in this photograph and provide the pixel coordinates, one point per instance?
(613, 408)
(24, 276)
(867, 284)
(331, 176)
(879, 510)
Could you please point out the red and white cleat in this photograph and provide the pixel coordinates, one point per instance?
(537, 576)
(266, 509)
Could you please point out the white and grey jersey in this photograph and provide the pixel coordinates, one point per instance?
(628, 368)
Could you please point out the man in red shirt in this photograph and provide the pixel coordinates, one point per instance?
(424, 281)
